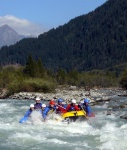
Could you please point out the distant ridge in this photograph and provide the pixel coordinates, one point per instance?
(8, 36)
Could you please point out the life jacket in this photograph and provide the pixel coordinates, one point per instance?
(71, 107)
(61, 109)
(37, 106)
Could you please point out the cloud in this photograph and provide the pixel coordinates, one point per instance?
(22, 26)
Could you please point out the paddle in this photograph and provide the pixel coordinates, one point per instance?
(61, 106)
(50, 114)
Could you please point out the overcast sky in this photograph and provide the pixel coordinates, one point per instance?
(37, 16)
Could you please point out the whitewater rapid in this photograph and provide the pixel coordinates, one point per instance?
(104, 132)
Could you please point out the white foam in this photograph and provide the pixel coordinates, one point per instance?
(36, 117)
(56, 141)
(101, 132)
(112, 137)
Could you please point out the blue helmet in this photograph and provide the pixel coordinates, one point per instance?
(86, 100)
(60, 100)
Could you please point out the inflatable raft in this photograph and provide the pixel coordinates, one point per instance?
(74, 115)
(71, 116)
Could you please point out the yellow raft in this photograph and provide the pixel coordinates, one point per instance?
(74, 115)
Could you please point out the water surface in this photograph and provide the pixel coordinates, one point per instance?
(104, 132)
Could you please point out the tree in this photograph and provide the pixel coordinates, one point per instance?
(123, 81)
(30, 67)
(40, 67)
(61, 76)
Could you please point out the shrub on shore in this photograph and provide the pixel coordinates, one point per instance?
(38, 85)
(35, 78)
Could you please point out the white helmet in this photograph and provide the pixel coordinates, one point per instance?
(38, 99)
(73, 101)
(31, 105)
(43, 105)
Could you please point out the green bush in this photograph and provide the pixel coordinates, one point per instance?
(38, 85)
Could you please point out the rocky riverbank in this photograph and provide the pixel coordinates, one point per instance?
(113, 98)
(94, 95)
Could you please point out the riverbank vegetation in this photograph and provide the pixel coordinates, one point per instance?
(35, 78)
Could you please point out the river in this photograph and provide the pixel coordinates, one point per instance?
(103, 132)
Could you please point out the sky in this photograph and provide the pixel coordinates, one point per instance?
(34, 17)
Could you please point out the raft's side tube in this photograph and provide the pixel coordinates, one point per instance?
(74, 113)
(24, 119)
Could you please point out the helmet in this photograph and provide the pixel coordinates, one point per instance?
(38, 99)
(86, 100)
(52, 102)
(73, 101)
(31, 105)
(60, 100)
(43, 105)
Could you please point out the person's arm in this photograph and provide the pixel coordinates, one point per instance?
(57, 109)
(77, 108)
(68, 107)
(27, 114)
(44, 113)
(65, 106)
(88, 110)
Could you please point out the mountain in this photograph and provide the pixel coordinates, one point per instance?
(97, 40)
(8, 36)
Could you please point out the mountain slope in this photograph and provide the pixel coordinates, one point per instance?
(8, 36)
(94, 41)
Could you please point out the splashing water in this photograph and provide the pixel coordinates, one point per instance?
(104, 132)
(36, 117)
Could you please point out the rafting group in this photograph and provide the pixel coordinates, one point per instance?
(71, 111)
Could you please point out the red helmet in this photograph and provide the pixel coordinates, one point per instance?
(52, 102)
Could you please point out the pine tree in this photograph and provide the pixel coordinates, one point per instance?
(61, 76)
(123, 81)
(30, 67)
(40, 67)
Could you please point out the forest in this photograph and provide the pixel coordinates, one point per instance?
(89, 50)
(97, 40)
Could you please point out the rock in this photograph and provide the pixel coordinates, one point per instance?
(96, 96)
(73, 87)
(88, 94)
(122, 106)
(109, 112)
(123, 117)
(87, 88)
(3, 93)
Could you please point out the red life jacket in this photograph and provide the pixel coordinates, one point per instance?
(72, 107)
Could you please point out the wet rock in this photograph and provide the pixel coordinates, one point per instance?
(124, 116)
(109, 112)
(122, 106)
(123, 95)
